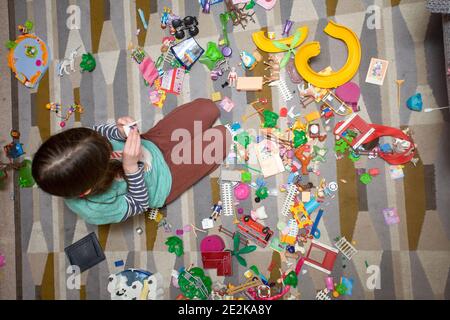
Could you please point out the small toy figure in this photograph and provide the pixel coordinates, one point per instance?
(68, 62)
(14, 150)
(217, 210)
(248, 60)
(232, 77)
(274, 66)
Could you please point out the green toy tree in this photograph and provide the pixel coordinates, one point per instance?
(237, 252)
(175, 245)
(195, 284)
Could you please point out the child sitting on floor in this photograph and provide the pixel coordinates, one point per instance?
(107, 177)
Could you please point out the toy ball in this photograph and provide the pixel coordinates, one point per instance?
(283, 112)
(240, 211)
(257, 200)
(291, 249)
(242, 191)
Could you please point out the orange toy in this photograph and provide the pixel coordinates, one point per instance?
(304, 160)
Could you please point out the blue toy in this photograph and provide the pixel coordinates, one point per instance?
(415, 102)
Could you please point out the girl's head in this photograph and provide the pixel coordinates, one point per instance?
(74, 163)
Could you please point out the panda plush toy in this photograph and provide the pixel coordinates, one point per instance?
(133, 284)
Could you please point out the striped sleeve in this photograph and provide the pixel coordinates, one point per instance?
(109, 131)
(137, 196)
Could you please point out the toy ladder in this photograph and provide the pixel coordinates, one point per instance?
(227, 199)
(322, 295)
(291, 193)
(153, 213)
(283, 89)
(346, 248)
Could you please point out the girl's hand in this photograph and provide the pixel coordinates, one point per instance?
(132, 152)
(121, 122)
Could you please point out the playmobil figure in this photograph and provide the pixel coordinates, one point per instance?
(273, 65)
(232, 77)
(217, 210)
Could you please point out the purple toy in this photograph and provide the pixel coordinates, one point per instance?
(349, 93)
(213, 243)
(287, 27)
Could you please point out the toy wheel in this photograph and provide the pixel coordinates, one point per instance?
(247, 218)
(193, 31)
(177, 23)
(188, 21)
(265, 230)
(179, 34)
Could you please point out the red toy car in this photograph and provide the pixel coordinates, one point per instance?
(255, 231)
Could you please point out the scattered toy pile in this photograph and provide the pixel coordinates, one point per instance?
(288, 143)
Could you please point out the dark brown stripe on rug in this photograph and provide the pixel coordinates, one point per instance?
(266, 92)
(348, 196)
(215, 190)
(362, 196)
(430, 186)
(76, 100)
(415, 201)
(48, 279)
(331, 7)
(151, 231)
(97, 19)
(42, 114)
(103, 232)
(144, 5)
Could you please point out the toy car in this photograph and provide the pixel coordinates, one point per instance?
(255, 231)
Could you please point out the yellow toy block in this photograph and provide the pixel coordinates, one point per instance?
(216, 96)
(310, 117)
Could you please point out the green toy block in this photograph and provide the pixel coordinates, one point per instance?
(299, 138)
(246, 177)
(341, 146)
(262, 193)
(270, 119)
(365, 178)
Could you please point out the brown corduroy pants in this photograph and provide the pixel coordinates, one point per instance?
(185, 175)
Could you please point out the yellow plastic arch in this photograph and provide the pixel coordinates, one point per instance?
(265, 44)
(312, 49)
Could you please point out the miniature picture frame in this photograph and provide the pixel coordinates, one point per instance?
(377, 71)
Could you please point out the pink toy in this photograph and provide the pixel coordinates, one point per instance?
(391, 216)
(227, 104)
(242, 191)
(213, 243)
(349, 93)
(148, 70)
(266, 4)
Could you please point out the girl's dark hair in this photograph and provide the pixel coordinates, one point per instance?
(71, 162)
